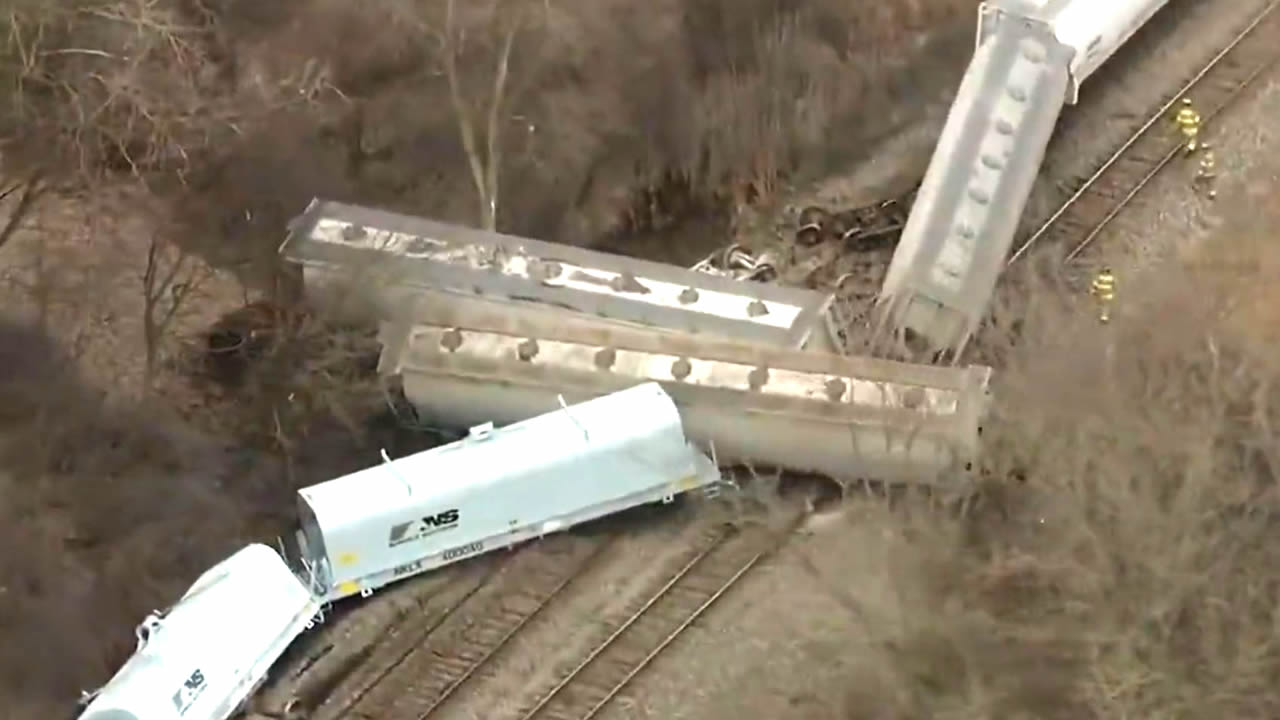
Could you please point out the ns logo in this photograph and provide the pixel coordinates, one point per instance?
(418, 529)
(191, 689)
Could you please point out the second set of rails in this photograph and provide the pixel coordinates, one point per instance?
(426, 664)
(1085, 204)
(1075, 226)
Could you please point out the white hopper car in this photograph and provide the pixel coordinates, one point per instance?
(496, 488)
(204, 656)
(201, 659)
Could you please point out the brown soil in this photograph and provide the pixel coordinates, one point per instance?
(1128, 576)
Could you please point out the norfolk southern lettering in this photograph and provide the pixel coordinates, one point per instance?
(191, 689)
(417, 529)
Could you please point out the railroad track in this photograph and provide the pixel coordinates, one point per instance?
(326, 685)
(423, 668)
(723, 557)
(1077, 223)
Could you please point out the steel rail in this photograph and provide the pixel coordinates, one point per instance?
(674, 633)
(422, 632)
(1173, 153)
(1160, 114)
(608, 642)
(512, 631)
(666, 641)
(352, 703)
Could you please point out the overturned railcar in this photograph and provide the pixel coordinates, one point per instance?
(848, 418)
(368, 264)
(495, 488)
(204, 656)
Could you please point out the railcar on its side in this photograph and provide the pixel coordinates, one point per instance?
(366, 264)
(203, 657)
(495, 488)
(1030, 60)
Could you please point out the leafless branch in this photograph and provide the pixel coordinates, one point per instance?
(484, 168)
(164, 292)
(460, 108)
(30, 191)
(494, 151)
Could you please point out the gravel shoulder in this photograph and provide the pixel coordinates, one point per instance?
(1169, 219)
(783, 642)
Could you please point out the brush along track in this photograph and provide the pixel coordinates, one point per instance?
(723, 556)
(413, 672)
(1074, 226)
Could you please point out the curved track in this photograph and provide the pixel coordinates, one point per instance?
(723, 558)
(414, 672)
(421, 666)
(1156, 144)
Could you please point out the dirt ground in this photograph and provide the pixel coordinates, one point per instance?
(780, 645)
(1126, 576)
(812, 633)
(79, 272)
(207, 125)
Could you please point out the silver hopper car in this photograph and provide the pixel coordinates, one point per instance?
(368, 264)
(496, 488)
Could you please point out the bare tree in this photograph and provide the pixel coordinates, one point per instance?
(31, 190)
(166, 285)
(484, 168)
(485, 162)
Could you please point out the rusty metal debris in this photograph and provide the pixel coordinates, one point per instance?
(857, 228)
(738, 263)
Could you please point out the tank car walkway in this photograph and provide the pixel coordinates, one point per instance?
(953, 247)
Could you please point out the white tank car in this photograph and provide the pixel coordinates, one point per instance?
(204, 656)
(1093, 29)
(966, 212)
(845, 417)
(495, 488)
(1031, 58)
(364, 262)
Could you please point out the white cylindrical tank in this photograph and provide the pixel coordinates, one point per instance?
(202, 658)
(1093, 29)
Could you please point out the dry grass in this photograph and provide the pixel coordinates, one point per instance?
(1129, 574)
(80, 499)
(254, 115)
(237, 112)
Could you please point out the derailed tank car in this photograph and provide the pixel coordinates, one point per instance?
(201, 659)
(848, 418)
(496, 488)
(366, 264)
